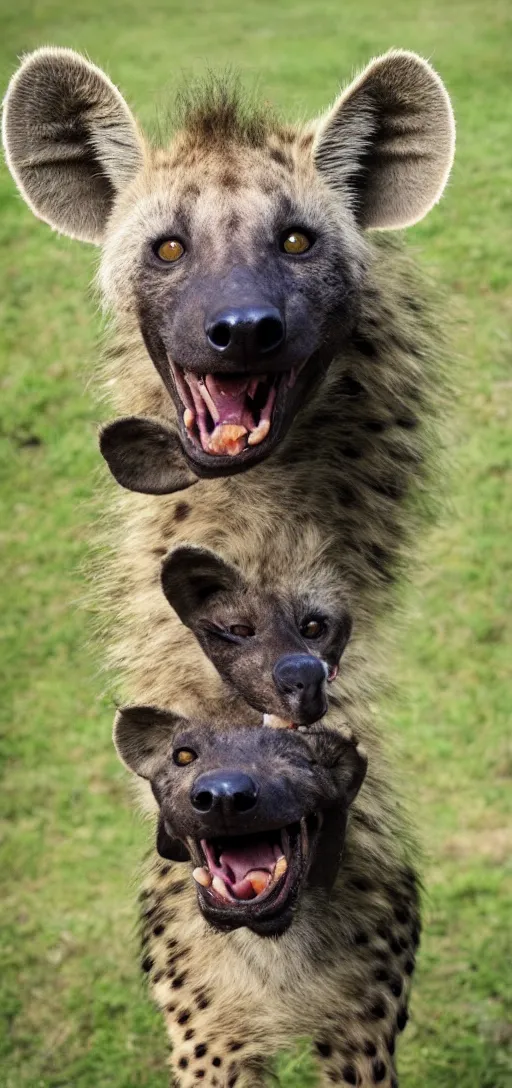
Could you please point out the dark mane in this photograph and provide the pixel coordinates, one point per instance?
(219, 109)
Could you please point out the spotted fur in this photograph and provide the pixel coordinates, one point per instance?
(336, 504)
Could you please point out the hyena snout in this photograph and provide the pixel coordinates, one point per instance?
(224, 793)
(300, 680)
(246, 333)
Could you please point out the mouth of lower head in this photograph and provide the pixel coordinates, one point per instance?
(256, 873)
(224, 415)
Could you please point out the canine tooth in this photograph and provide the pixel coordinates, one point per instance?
(189, 418)
(277, 723)
(259, 879)
(202, 876)
(259, 433)
(280, 867)
(219, 886)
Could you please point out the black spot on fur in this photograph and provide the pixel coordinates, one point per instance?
(183, 1063)
(381, 974)
(395, 986)
(390, 1043)
(172, 943)
(402, 1019)
(232, 1080)
(229, 181)
(147, 964)
(235, 1046)
(178, 887)
(350, 387)
(383, 932)
(365, 347)
(349, 1074)
(409, 967)
(395, 946)
(361, 884)
(189, 1034)
(361, 938)
(183, 1017)
(278, 156)
(200, 1050)
(378, 1071)
(178, 982)
(199, 1074)
(324, 1049)
(158, 930)
(165, 870)
(351, 452)
(378, 1010)
(369, 1048)
(158, 977)
(402, 915)
(171, 1008)
(216, 1061)
(376, 425)
(202, 1001)
(182, 511)
(415, 936)
(407, 422)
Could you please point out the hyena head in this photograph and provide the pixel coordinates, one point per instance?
(261, 813)
(239, 249)
(279, 649)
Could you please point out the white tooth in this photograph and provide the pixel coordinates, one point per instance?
(277, 723)
(219, 886)
(189, 418)
(202, 877)
(280, 867)
(209, 401)
(259, 433)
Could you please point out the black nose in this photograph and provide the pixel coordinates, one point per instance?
(300, 679)
(228, 792)
(246, 332)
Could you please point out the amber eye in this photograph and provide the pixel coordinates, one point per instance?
(312, 629)
(170, 250)
(241, 630)
(295, 242)
(182, 756)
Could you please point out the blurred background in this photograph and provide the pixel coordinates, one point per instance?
(74, 1010)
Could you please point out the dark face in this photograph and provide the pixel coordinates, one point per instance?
(260, 812)
(279, 654)
(243, 302)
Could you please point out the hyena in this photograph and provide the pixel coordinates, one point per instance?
(261, 325)
(277, 843)
(279, 654)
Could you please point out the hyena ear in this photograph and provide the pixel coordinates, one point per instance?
(146, 456)
(70, 140)
(388, 142)
(143, 737)
(191, 576)
(338, 749)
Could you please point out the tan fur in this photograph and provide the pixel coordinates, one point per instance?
(335, 502)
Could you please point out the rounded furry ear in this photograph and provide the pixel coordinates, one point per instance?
(143, 736)
(70, 141)
(191, 575)
(146, 456)
(388, 142)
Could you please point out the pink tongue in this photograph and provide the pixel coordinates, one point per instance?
(236, 863)
(228, 395)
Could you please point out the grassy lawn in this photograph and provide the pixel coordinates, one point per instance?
(74, 1010)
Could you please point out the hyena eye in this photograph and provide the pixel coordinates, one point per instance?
(170, 250)
(313, 628)
(182, 756)
(295, 242)
(241, 630)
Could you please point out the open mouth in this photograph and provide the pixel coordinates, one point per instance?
(254, 880)
(225, 414)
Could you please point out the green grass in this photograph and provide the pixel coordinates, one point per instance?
(75, 1011)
